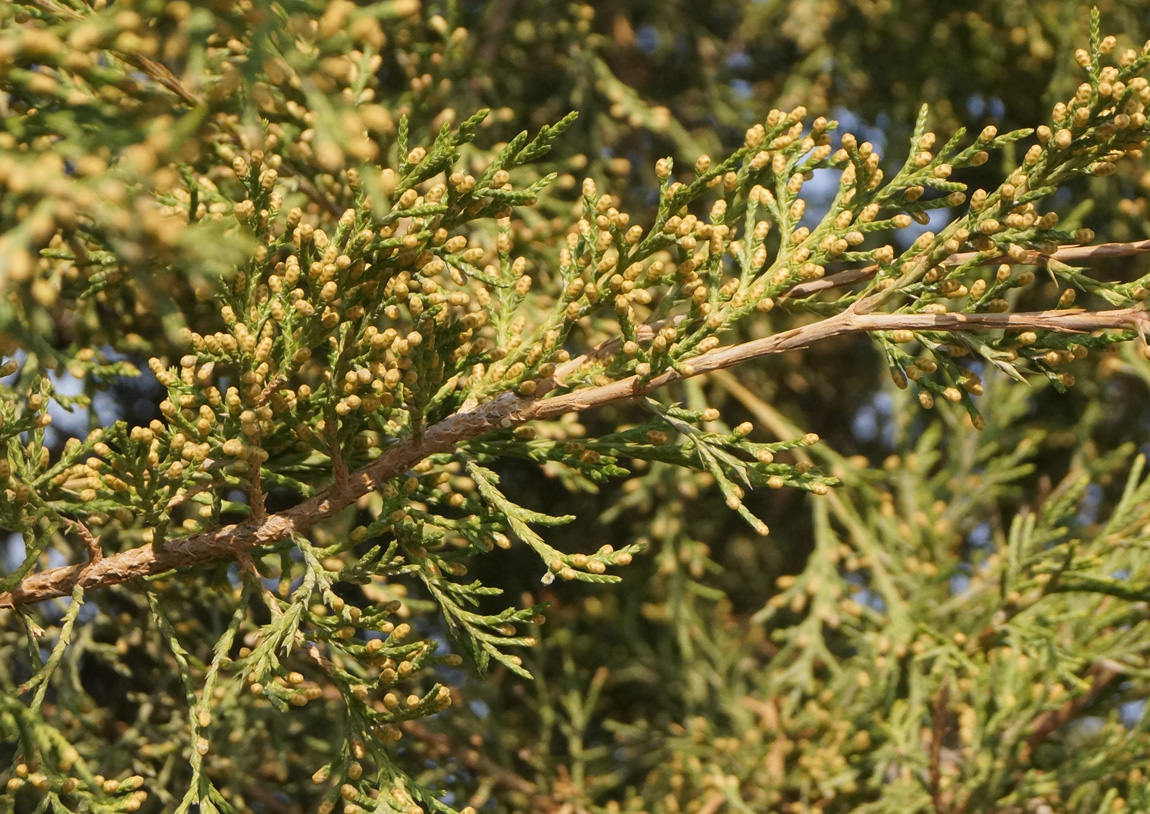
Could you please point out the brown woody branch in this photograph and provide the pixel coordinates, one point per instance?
(1066, 254)
(511, 410)
(940, 727)
(1102, 673)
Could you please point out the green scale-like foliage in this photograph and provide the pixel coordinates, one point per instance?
(387, 334)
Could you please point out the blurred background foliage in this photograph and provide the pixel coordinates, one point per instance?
(727, 673)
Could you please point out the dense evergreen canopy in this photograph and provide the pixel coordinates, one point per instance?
(530, 406)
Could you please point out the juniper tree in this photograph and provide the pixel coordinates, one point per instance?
(292, 333)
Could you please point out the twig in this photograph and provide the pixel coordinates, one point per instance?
(510, 410)
(270, 389)
(1066, 254)
(603, 350)
(190, 493)
(940, 726)
(257, 509)
(1067, 321)
(91, 543)
(160, 73)
(1103, 673)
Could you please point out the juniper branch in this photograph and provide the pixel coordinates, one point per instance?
(511, 410)
(1066, 254)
